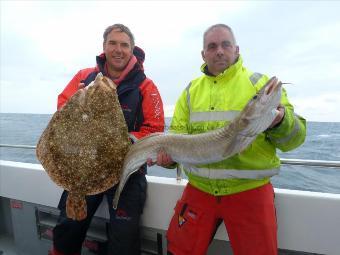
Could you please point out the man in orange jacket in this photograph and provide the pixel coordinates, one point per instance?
(142, 106)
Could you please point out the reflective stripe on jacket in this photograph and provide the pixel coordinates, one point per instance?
(211, 102)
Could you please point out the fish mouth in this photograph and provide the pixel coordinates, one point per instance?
(273, 86)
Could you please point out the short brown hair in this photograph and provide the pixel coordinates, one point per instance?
(120, 28)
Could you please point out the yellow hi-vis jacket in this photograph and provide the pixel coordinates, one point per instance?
(210, 102)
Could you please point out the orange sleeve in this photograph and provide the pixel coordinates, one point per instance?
(152, 110)
(69, 90)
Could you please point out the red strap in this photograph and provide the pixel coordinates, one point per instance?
(55, 252)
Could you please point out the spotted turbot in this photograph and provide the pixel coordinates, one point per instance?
(84, 145)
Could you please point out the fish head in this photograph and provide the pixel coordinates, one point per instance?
(260, 111)
(98, 93)
(102, 81)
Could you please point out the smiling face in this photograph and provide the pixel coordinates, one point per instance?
(118, 51)
(219, 51)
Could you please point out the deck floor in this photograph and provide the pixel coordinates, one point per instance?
(7, 245)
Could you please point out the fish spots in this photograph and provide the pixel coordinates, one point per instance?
(84, 145)
(84, 117)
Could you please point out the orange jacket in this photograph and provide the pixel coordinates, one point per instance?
(138, 95)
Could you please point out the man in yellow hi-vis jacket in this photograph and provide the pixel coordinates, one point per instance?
(245, 201)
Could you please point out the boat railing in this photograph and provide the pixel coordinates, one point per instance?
(17, 146)
(284, 161)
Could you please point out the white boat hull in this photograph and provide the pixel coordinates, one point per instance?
(307, 221)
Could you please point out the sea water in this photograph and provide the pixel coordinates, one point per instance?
(322, 143)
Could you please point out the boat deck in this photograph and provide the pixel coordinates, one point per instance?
(7, 245)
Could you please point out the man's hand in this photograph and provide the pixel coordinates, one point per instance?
(280, 113)
(163, 159)
(81, 85)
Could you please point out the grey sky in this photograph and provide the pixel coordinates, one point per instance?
(44, 43)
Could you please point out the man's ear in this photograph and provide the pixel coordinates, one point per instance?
(237, 50)
(202, 54)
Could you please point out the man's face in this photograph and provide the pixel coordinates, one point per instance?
(219, 50)
(118, 50)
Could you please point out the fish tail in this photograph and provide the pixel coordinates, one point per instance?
(76, 206)
(116, 199)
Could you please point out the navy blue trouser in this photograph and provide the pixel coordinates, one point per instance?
(123, 234)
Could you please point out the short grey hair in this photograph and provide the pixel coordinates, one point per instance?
(219, 26)
(120, 28)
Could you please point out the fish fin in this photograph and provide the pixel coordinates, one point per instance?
(120, 188)
(115, 200)
(230, 149)
(237, 145)
(76, 206)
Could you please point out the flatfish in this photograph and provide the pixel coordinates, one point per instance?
(84, 145)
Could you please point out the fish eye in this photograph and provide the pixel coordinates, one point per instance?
(254, 97)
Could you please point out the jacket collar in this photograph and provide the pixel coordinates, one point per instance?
(126, 71)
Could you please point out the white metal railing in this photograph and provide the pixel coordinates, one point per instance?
(17, 146)
(302, 162)
(310, 162)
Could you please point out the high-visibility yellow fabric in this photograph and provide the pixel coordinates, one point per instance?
(220, 96)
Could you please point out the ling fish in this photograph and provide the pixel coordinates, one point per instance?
(211, 146)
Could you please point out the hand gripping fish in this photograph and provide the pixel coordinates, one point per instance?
(211, 146)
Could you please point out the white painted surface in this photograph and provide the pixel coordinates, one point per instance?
(307, 221)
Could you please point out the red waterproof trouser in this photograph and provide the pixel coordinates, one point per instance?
(249, 217)
(55, 252)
